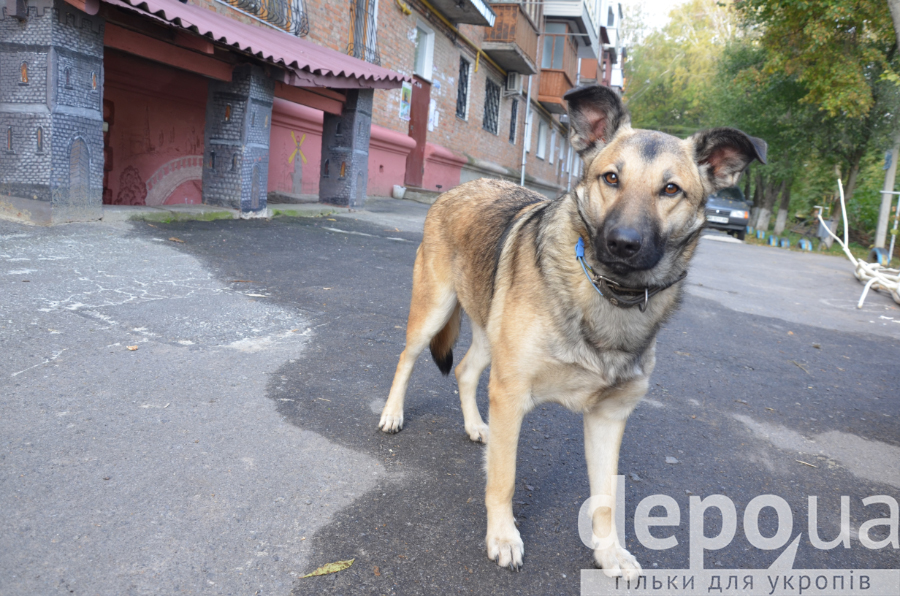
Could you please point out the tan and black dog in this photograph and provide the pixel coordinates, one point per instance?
(556, 328)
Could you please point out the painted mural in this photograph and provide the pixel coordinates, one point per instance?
(156, 135)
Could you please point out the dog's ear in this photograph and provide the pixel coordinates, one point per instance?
(596, 113)
(723, 153)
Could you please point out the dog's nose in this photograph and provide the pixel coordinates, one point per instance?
(623, 242)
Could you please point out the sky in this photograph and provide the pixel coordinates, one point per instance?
(657, 11)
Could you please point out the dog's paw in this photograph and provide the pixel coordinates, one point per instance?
(617, 562)
(478, 432)
(391, 423)
(506, 550)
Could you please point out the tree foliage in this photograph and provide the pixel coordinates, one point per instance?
(836, 48)
(816, 80)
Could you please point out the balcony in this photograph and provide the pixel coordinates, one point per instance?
(471, 12)
(287, 15)
(559, 63)
(513, 41)
(583, 20)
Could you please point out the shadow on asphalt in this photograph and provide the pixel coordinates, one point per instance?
(422, 530)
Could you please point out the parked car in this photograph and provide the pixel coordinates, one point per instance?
(728, 210)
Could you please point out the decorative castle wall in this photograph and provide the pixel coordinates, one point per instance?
(238, 122)
(51, 123)
(345, 151)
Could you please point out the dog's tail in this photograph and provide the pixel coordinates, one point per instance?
(442, 343)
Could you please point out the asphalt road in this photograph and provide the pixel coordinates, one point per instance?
(237, 448)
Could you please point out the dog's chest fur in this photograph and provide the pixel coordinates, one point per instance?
(587, 345)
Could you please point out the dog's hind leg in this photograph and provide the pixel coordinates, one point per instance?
(468, 373)
(431, 309)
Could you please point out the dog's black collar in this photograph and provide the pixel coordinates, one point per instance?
(616, 294)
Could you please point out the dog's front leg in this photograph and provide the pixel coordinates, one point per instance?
(507, 409)
(604, 426)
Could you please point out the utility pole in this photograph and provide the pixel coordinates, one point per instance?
(884, 214)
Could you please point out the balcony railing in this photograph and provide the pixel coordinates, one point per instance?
(513, 40)
(363, 31)
(288, 15)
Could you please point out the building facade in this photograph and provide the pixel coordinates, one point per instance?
(236, 103)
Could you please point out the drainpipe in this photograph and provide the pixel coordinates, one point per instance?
(528, 124)
(569, 164)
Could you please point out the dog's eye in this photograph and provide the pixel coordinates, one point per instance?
(611, 178)
(671, 189)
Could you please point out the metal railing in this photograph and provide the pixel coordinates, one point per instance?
(288, 15)
(363, 31)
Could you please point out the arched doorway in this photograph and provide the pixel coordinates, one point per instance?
(254, 189)
(79, 174)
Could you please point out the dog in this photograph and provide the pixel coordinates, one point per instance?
(565, 296)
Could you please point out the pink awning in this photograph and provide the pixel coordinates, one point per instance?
(307, 64)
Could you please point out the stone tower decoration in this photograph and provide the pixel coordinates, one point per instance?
(345, 151)
(51, 120)
(238, 123)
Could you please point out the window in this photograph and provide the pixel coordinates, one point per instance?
(287, 15)
(23, 73)
(9, 143)
(424, 56)
(554, 46)
(611, 18)
(533, 10)
(462, 90)
(363, 29)
(491, 106)
(553, 146)
(39, 134)
(93, 81)
(529, 122)
(513, 117)
(542, 140)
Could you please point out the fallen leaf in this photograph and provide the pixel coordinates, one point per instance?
(174, 239)
(800, 366)
(377, 573)
(683, 353)
(330, 568)
(151, 225)
(330, 219)
(132, 348)
(326, 288)
(790, 333)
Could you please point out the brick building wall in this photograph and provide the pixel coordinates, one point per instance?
(330, 25)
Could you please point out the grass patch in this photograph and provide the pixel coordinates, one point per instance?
(288, 212)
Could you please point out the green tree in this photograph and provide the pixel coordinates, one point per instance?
(670, 72)
(842, 53)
